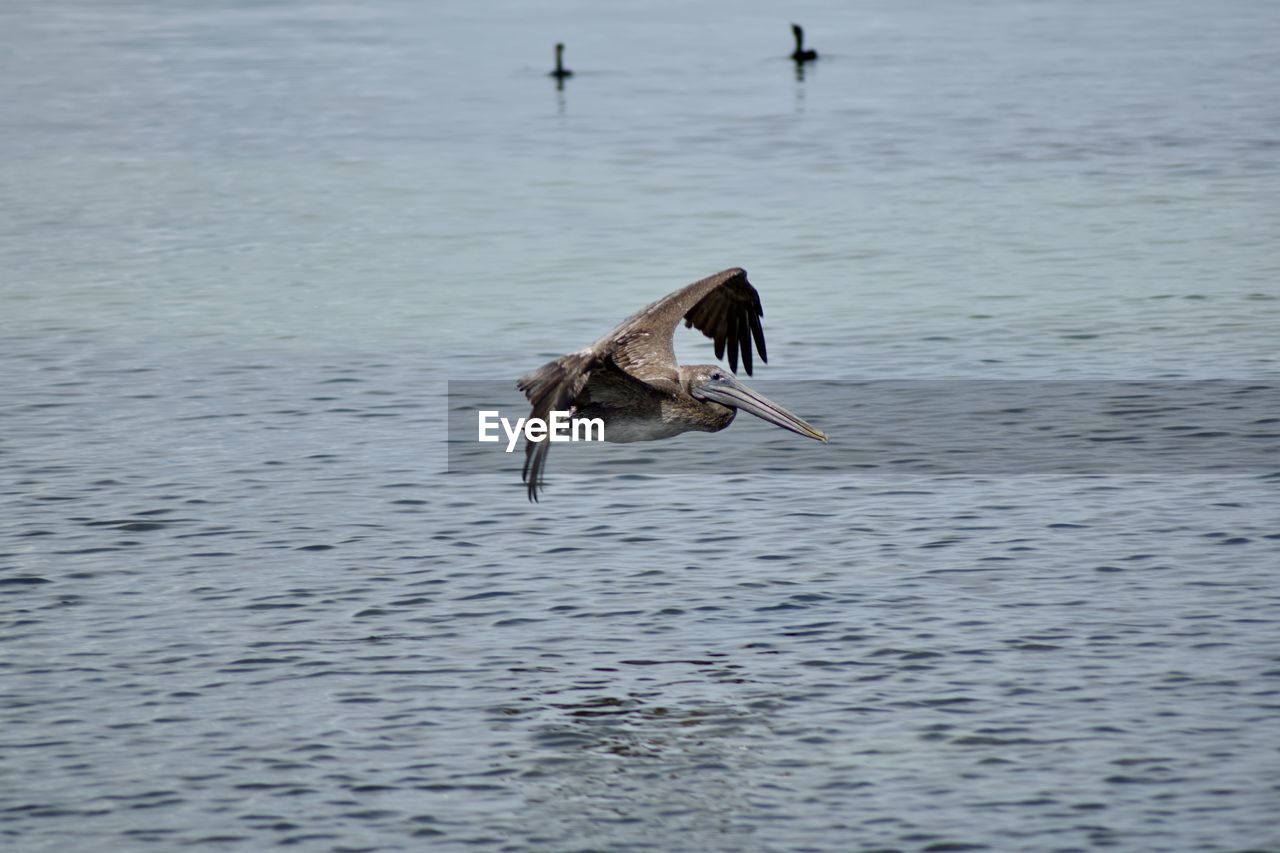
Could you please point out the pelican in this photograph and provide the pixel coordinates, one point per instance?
(630, 379)
(800, 54)
(560, 71)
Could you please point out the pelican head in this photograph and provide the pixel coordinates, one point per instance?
(712, 384)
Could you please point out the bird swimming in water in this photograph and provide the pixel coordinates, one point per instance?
(800, 54)
(560, 71)
(630, 379)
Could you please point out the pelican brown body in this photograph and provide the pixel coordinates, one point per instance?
(630, 379)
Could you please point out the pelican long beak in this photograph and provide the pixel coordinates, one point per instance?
(731, 392)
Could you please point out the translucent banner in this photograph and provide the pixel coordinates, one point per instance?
(926, 427)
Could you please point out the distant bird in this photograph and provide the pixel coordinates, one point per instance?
(560, 71)
(630, 379)
(800, 54)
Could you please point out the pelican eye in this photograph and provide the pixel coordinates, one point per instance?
(717, 375)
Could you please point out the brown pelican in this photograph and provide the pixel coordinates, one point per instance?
(560, 71)
(630, 379)
(800, 54)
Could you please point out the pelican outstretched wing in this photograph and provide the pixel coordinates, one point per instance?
(724, 307)
(555, 386)
(566, 385)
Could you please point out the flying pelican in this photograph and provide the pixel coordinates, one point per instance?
(560, 71)
(630, 379)
(800, 54)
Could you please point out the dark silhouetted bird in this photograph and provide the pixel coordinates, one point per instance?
(800, 54)
(560, 71)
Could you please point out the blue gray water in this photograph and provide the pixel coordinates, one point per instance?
(244, 247)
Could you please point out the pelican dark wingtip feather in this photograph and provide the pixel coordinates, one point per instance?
(729, 313)
(630, 379)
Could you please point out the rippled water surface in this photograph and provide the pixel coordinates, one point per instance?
(249, 600)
